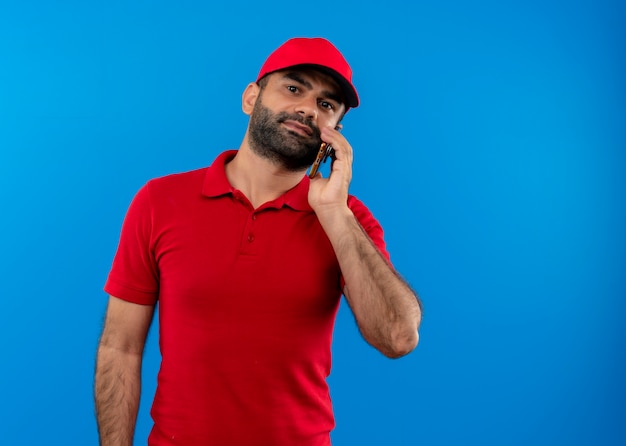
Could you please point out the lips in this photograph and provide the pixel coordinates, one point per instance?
(298, 128)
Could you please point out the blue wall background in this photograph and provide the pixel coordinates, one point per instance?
(490, 143)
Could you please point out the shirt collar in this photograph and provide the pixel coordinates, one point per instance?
(216, 184)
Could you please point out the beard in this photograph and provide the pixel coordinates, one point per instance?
(270, 140)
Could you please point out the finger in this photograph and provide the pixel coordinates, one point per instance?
(331, 136)
(338, 142)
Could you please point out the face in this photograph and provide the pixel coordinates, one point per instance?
(288, 113)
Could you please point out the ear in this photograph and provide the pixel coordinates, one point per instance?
(249, 97)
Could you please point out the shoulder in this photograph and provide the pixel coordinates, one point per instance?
(178, 179)
(193, 181)
(175, 184)
(159, 191)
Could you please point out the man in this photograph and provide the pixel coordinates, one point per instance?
(248, 260)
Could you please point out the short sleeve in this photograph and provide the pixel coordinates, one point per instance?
(134, 274)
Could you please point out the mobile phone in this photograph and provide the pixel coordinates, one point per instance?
(324, 152)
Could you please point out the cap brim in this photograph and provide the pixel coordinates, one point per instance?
(349, 92)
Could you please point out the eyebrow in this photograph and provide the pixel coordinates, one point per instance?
(294, 76)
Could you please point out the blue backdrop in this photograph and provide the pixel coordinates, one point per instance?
(490, 144)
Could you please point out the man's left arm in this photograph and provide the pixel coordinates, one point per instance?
(387, 311)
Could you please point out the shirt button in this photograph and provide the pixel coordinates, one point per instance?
(253, 216)
(250, 238)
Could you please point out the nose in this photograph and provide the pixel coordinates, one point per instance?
(307, 108)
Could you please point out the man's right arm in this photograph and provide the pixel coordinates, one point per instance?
(118, 370)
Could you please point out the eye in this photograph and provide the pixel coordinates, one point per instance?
(292, 88)
(327, 105)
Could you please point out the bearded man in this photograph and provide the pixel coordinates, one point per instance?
(247, 260)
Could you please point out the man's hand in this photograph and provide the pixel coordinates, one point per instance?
(330, 195)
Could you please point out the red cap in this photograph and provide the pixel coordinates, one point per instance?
(318, 53)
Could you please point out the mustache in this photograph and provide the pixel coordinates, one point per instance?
(284, 116)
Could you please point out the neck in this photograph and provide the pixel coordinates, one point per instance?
(258, 178)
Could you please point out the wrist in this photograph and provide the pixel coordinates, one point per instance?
(336, 219)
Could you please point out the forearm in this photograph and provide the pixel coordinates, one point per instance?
(117, 393)
(386, 309)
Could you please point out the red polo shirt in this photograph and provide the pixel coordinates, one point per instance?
(247, 302)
